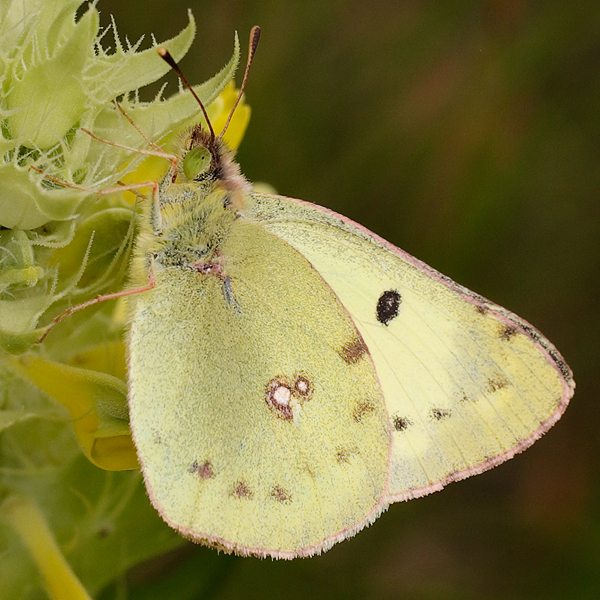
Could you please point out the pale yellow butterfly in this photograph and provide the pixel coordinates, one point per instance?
(291, 374)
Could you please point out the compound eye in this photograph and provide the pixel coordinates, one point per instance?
(195, 162)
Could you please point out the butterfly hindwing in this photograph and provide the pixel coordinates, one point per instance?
(266, 432)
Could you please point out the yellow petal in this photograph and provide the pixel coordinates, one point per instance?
(98, 406)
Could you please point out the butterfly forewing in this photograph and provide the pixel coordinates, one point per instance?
(466, 383)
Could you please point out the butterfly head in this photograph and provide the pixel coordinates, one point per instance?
(206, 159)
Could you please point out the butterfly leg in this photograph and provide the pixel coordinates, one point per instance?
(158, 152)
(134, 187)
(97, 300)
(135, 126)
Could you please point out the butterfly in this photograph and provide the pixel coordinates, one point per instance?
(291, 374)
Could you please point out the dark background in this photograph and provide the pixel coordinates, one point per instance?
(467, 133)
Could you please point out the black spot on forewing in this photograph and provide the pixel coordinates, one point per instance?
(204, 471)
(353, 351)
(481, 309)
(439, 414)
(388, 306)
(401, 423)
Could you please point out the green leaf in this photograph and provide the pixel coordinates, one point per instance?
(123, 71)
(46, 99)
(102, 521)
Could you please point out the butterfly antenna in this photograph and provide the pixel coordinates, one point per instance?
(254, 38)
(164, 54)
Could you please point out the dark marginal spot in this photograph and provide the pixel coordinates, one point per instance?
(342, 456)
(440, 413)
(303, 387)
(497, 384)
(401, 423)
(353, 351)
(553, 352)
(506, 332)
(361, 410)
(561, 364)
(279, 494)
(481, 309)
(205, 470)
(241, 490)
(388, 306)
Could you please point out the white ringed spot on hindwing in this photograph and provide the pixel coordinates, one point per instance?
(284, 397)
(303, 387)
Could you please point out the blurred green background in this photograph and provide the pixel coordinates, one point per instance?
(467, 133)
